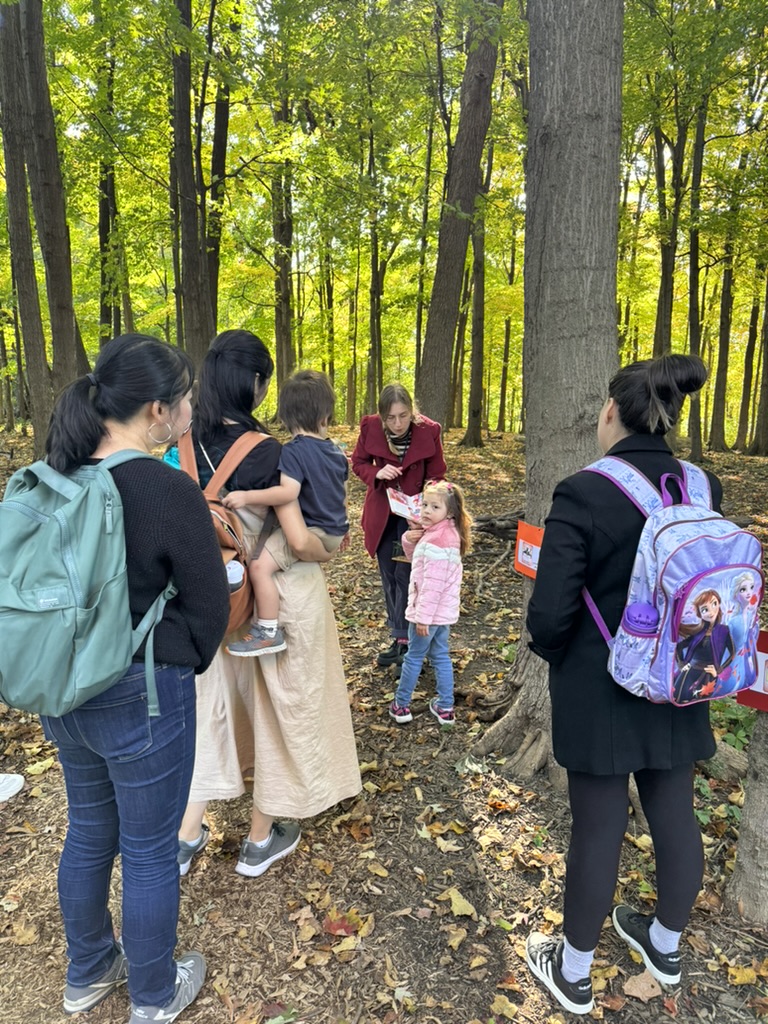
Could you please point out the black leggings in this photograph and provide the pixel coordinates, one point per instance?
(599, 805)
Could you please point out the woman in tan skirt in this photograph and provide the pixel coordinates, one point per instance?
(283, 719)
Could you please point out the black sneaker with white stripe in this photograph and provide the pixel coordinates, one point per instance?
(545, 959)
(634, 928)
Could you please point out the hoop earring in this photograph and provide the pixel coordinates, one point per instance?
(165, 440)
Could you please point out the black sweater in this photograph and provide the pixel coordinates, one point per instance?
(169, 533)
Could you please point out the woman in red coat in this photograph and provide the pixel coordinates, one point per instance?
(399, 448)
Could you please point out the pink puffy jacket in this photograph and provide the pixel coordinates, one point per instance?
(435, 589)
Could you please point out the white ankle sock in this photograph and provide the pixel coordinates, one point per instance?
(576, 964)
(261, 843)
(193, 845)
(664, 940)
(268, 625)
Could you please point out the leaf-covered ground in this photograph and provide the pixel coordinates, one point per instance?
(412, 902)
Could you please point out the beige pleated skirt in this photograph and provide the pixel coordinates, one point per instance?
(282, 719)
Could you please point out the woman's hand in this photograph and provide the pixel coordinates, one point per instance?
(414, 536)
(389, 472)
(422, 629)
(235, 499)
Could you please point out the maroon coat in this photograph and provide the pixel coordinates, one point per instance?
(423, 461)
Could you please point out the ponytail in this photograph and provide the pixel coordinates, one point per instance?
(132, 370)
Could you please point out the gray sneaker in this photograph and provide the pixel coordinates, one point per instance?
(187, 850)
(254, 860)
(78, 999)
(257, 641)
(190, 975)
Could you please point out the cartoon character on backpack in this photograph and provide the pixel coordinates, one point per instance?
(704, 652)
(744, 626)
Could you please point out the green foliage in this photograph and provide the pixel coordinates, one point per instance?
(733, 721)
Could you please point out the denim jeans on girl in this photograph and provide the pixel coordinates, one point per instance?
(434, 646)
(127, 777)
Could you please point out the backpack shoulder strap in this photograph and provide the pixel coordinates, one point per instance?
(242, 447)
(697, 484)
(634, 484)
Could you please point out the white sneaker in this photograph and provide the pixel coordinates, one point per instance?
(190, 975)
(9, 786)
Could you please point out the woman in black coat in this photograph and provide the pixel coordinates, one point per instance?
(601, 733)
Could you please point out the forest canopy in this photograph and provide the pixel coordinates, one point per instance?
(286, 167)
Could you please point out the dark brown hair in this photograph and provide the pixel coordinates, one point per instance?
(306, 401)
(651, 392)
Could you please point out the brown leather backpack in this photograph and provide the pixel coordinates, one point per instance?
(226, 522)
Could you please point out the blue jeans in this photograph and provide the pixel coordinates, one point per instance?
(435, 646)
(127, 777)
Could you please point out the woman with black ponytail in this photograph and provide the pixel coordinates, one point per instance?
(128, 776)
(601, 732)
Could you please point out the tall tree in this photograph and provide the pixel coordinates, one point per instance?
(570, 341)
(16, 129)
(49, 200)
(196, 305)
(464, 175)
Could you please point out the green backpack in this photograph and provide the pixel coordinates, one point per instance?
(65, 624)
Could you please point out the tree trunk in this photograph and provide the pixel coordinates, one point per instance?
(473, 436)
(748, 886)
(574, 132)
(49, 201)
(717, 442)
(749, 365)
(434, 380)
(423, 235)
(694, 310)
(195, 295)
(15, 130)
(282, 235)
(759, 444)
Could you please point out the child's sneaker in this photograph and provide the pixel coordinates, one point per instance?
(400, 714)
(256, 642)
(80, 999)
(190, 975)
(634, 928)
(445, 716)
(189, 850)
(544, 957)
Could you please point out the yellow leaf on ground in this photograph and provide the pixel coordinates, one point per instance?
(460, 906)
(40, 766)
(377, 869)
(456, 936)
(24, 933)
(742, 975)
(477, 961)
(501, 1007)
(554, 916)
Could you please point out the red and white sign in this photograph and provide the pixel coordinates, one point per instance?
(757, 695)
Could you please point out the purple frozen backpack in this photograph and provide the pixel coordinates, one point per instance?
(690, 623)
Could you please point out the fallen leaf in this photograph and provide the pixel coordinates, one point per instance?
(377, 869)
(670, 1005)
(456, 936)
(477, 961)
(447, 845)
(553, 916)
(24, 933)
(501, 1006)
(742, 975)
(460, 906)
(509, 981)
(612, 1002)
(40, 766)
(642, 986)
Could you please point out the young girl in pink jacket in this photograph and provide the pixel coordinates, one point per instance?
(435, 548)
